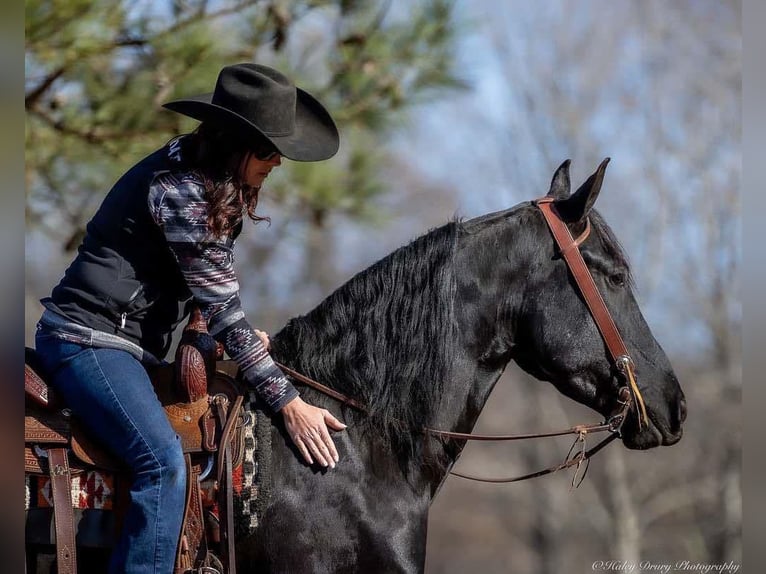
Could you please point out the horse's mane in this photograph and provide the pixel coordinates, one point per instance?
(384, 338)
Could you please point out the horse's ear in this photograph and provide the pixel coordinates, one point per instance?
(578, 205)
(560, 184)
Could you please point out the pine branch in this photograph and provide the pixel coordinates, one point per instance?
(42, 29)
(201, 15)
(90, 136)
(32, 97)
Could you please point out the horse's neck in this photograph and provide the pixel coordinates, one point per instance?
(466, 393)
(484, 312)
(464, 397)
(330, 340)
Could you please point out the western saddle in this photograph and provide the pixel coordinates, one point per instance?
(203, 402)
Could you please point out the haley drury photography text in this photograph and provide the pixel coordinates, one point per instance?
(665, 567)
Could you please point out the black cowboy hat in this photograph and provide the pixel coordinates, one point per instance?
(259, 102)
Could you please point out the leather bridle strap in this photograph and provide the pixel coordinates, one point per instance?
(580, 457)
(570, 252)
(578, 429)
(321, 388)
(612, 424)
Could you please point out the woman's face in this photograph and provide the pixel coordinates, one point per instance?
(255, 170)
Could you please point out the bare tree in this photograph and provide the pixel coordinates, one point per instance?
(655, 85)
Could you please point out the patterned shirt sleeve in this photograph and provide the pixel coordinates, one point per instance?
(178, 205)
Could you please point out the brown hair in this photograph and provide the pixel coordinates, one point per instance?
(218, 156)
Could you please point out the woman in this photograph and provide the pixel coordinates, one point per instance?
(161, 241)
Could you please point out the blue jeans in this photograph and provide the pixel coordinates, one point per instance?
(111, 394)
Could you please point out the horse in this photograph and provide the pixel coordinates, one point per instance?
(420, 339)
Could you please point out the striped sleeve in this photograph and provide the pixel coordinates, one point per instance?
(177, 204)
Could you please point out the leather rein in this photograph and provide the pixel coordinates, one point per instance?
(627, 395)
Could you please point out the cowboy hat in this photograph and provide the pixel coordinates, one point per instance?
(259, 102)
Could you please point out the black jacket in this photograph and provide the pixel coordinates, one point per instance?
(125, 280)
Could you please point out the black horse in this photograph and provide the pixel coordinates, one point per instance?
(421, 338)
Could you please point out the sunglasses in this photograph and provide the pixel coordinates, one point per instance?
(265, 153)
(268, 156)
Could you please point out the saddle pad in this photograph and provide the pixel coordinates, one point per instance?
(251, 479)
(90, 490)
(92, 499)
(252, 489)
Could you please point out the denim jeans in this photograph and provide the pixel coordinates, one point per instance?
(110, 393)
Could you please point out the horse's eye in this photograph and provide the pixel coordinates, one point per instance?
(618, 279)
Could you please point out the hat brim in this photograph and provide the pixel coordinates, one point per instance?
(314, 138)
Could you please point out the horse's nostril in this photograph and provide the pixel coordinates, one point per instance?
(681, 410)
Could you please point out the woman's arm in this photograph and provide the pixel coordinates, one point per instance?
(179, 207)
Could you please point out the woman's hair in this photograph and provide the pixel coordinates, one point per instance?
(219, 158)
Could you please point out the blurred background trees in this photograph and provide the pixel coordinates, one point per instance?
(656, 86)
(453, 108)
(99, 71)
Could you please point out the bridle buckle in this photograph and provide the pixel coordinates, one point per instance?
(624, 363)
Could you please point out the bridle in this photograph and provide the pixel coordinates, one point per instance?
(627, 395)
(570, 251)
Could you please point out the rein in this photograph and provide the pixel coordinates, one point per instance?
(627, 396)
(575, 457)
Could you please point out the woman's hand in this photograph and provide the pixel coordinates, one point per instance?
(307, 427)
(264, 337)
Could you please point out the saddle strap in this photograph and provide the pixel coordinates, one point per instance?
(226, 508)
(228, 419)
(63, 513)
(192, 546)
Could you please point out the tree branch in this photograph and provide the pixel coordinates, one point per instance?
(89, 135)
(199, 16)
(130, 41)
(31, 98)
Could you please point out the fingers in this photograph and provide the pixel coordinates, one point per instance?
(307, 426)
(320, 451)
(329, 445)
(264, 337)
(311, 443)
(332, 422)
(302, 449)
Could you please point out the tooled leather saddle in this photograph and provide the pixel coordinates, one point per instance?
(203, 402)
